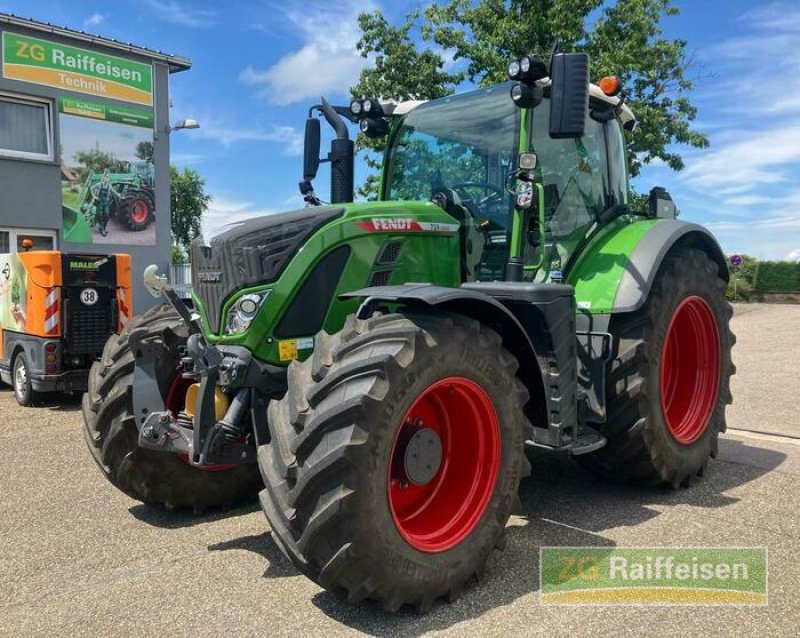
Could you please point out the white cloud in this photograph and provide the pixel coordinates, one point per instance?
(224, 212)
(794, 255)
(94, 20)
(328, 61)
(288, 137)
(173, 12)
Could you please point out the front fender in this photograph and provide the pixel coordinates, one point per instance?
(617, 270)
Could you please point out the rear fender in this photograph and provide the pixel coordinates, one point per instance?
(617, 270)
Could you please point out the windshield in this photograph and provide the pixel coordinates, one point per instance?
(466, 143)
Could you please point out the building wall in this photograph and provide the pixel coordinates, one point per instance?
(30, 191)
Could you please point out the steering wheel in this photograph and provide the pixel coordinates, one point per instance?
(478, 208)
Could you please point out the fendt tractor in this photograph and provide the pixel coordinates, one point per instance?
(57, 311)
(385, 364)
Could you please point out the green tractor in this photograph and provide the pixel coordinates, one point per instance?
(134, 200)
(378, 369)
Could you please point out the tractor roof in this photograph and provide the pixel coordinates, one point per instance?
(626, 115)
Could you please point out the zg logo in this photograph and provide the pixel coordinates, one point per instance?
(28, 51)
(583, 567)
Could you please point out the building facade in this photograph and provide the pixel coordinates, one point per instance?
(84, 145)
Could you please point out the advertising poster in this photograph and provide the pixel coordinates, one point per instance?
(107, 173)
(13, 287)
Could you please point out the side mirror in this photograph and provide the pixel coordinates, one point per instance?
(569, 94)
(311, 149)
(660, 204)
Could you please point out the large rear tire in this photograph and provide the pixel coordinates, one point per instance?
(669, 381)
(352, 496)
(155, 478)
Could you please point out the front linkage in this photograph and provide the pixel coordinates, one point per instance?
(209, 434)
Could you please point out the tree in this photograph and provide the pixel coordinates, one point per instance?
(188, 202)
(623, 38)
(144, 150)
(98, 161)
(401, 72)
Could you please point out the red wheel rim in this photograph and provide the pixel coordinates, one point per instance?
(690, 369)
(440, 514)
(139, 211)
(175, 403)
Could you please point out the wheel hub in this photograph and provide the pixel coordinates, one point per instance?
(423, 456)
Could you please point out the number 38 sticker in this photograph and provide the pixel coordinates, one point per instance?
(89, 296)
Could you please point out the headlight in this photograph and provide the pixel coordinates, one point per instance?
(243, 311)
(513, 69)
(355, 107)
(524, 194)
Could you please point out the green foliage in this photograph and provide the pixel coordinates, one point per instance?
(98, 161)
(739, 289)
(777, 276)
(624, 38)
(16, 291)
(401, 71)
(145, 150)
(179, 255)
(188, 202)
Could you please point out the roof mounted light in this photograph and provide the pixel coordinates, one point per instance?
(528, 68)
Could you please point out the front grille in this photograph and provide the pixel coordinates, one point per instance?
(251, 253)
(88, 330)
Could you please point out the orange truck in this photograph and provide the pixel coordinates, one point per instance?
(57, 311)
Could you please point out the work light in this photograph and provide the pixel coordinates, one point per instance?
(356, 107)
(513, 69)
(373, 127)
(526, 96)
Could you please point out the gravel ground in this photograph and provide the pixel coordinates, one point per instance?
(79, 558)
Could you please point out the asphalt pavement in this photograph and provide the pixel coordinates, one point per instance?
(79, 558)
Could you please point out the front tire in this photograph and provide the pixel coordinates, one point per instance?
(669, 382)
(347, 497)
(152, 477)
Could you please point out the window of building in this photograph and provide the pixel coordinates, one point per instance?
(11, 239)
(26, 129)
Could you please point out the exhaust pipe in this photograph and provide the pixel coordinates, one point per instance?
(342, 157)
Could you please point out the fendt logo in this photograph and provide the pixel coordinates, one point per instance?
(405, 224)
(210, 277)
(392, 223)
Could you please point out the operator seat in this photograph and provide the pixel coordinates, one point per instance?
(472, 237)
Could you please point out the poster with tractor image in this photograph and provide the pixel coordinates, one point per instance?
(13, 292)
(107, 173)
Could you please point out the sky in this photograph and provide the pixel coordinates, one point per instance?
(259, 64)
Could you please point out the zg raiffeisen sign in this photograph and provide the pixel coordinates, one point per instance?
(73, 69)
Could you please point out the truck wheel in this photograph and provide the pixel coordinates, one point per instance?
(23, 388)
(669, 381)
(138, 207)
(155, 478)
(395, 457)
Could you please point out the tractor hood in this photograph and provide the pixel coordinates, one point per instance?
(251, 253)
